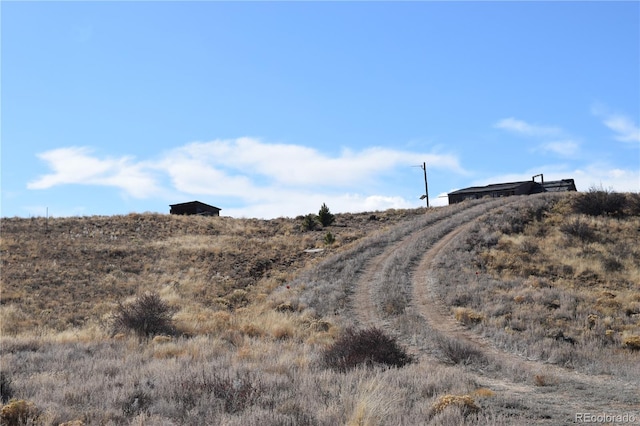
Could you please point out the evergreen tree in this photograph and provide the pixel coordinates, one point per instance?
(325, 216)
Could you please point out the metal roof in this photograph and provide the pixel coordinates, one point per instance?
(493, 187)
(559, 185)
(195, 203)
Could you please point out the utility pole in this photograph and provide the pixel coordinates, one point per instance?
(426, 187)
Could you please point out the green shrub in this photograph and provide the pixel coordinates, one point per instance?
(309, 222)
(329, 238)
(365, 347)
(325, 216)
(147, 315)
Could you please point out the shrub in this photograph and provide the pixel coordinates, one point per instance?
(136, 403)
(633, 203)
(19, 412)
(464, 403)
(329, 238)
(455, 351)
(147, 316)
(600, 202)
(325, 216)
(235, 393)
(6, 390)
(578, 228)
(631, 342)
(309, 222)
(468, 316)
(365, 347)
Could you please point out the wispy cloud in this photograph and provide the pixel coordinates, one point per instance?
(563, 148)
(265, 177)
(523, 128)
(550, 139)
(75, 165)
(295, 165)
(624, 128)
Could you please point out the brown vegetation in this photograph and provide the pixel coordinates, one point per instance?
(249, 328)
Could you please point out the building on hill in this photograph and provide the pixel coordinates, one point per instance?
(512, 188)
(194, 208)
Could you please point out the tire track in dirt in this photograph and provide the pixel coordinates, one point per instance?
(437, 314)
(363, 304)
(573, 392)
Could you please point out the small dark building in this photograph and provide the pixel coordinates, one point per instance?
(513, 188)
(194, 207)
(559, 185)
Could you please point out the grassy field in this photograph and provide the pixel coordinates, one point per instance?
(257, 310)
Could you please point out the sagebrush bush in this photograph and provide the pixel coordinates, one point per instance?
(365, 347)
(236, 393)
(19, 412)
(455, 351)
(633, 203)
(578, 228)
(6, 388)
(600, 202)
(148, 315)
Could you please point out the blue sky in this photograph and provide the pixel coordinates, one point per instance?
(269, 109)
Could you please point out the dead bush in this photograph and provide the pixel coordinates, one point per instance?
(631, 342)
(454, 351)
(600, 202)
(464, 403)
(468, 316)
(148, 315)
(19, 412)
(365, 347)
(579, 229)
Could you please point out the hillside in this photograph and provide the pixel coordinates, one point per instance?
(524, 309)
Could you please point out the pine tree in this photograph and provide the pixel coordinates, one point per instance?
(325, 216)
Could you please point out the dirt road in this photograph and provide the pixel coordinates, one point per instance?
(564, 393)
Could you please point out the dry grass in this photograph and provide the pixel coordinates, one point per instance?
(555, 284)
(255, 313)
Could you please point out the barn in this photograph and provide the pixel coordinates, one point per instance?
(194, 208)
(512, 188)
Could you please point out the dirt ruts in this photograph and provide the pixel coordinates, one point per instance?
(507, 372)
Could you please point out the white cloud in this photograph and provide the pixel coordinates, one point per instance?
(296, 165)
(75, 165)
(265, 180)
(625, 129)
(564, 148)
(525, 129)
(549, 136)
(608, 177)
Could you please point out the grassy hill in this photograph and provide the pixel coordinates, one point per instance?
(254, 308)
